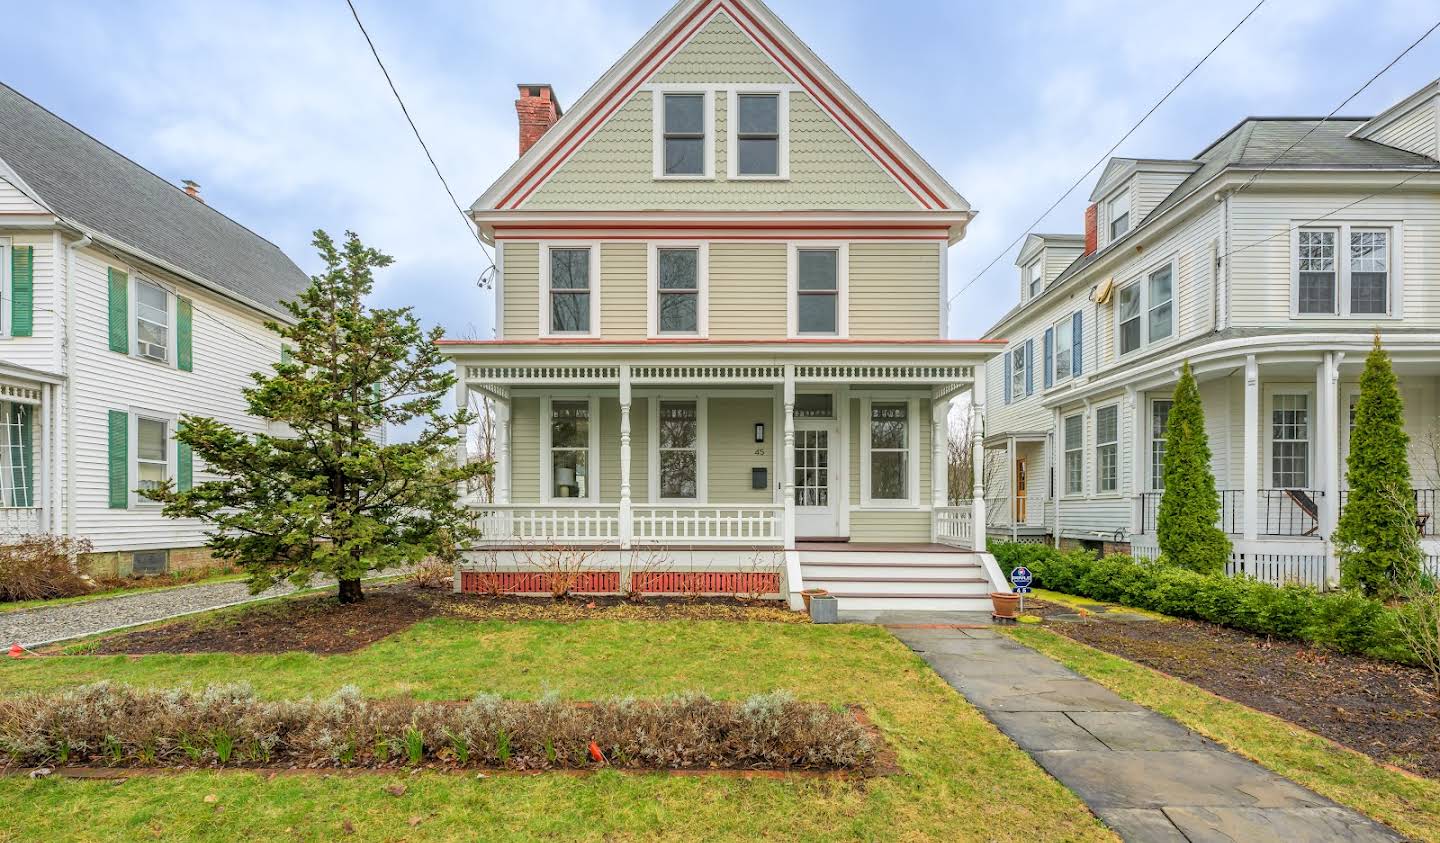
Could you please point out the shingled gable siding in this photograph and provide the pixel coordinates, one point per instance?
(223, 362)
(614, 169)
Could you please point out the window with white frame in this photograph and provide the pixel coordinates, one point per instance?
(1035, 278)
(1145, 309)
(570, 457)
(683, 134)
(677, 290)
(152, 453)
(889, 451)
(678, 439)
(757, 135)
(152, 321)
(1118, 212)
(1107, 449)
(1159, 428)
(817, 291)
(1346, 269)
(570, 290)
(1064, 346)
(1290, 441)
(1074, 454)
(1018, 372)
(17, 454)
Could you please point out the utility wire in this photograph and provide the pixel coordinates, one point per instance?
(1106, 156)
(469, 226)
(1381, 72)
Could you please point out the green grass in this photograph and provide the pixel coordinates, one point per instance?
(961, 780)
(17, 605)
(1406, 802)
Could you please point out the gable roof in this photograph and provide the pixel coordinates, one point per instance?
(649, 54)
(85, 182)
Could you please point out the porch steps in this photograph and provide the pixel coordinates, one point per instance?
(880, 579)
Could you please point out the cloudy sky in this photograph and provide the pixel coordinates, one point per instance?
(276, 108)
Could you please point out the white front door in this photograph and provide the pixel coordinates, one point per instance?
(816, 513)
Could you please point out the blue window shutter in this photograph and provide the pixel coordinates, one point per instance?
(1029, 367)
(1076, 350)
(1007, 377)
(1049, 357)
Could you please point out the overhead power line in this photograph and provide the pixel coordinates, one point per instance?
(1106, 157)
(469, 224)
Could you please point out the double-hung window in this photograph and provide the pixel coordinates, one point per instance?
(1018, 371)
(677, 290)
(1035, 278)
(683, 133)
(889, 451)
(1345, 270)
(570, 458)
(1074, 454)
(1118, 212)
(817, 291)
(1064, 346)
(152, 453)
(1290, 441)
(757, 136)
(679, 437)
(1107, 449)
(570, 291)
(1145, 309)
(1159, 428)
(152, 321)
(17, 454)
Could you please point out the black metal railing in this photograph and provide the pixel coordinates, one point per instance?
(1149, 511)
(1425, 501)
(1279, 512)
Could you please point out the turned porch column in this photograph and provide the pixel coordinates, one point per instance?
(789, 445)
(627, 523)
(977, 455)
(1251, 487)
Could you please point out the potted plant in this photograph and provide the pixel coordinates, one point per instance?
(1005, 603)
(808, 593)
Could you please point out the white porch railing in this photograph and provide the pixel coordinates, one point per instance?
(17, 521)
(574, 523)
(955, 525)
(707, 524)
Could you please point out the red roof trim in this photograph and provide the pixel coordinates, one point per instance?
(728, 226)
(700, 341)
(909, 238)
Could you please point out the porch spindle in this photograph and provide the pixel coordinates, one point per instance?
(627, 525)
(789, 480)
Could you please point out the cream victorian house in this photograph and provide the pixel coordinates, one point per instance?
(721, 330)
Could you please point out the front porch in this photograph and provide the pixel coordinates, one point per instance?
(715, 462)
(29, 471)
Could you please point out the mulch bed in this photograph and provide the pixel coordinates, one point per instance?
(1387, 711)
(320, 624)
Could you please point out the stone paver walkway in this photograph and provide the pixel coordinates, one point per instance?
(1146, 776)
(48, 624)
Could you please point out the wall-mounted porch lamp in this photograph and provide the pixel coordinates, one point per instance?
(759, 431)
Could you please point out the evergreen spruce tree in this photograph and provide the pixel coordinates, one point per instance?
(1190, 506)
(1376, 538)
(327, 497)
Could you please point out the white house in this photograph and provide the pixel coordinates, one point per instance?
(721, 329)
(1268, 261)
(124, 302)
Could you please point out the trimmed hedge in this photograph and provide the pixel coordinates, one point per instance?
(1346, 621)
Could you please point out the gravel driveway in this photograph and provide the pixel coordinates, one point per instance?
(33, 627)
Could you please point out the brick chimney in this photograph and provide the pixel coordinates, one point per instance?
(1092, 231)
(192, 189)
(538, 110)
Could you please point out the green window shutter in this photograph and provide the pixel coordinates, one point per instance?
(119, 459)
(185, 471)
(22, 290)
(184, 321)
(119, 313)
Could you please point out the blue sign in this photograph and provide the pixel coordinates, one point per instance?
(1021, 578)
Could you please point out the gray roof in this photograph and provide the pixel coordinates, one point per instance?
(84, 181)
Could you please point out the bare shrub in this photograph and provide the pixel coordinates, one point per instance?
(646, 565)
(755, 569)
(39, 567)
(227, 725)
(1419, 622)
(562, 566)
(486, 571)
(433, 573)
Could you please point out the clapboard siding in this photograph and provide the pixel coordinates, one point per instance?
(1415, 131)
(894, 290)
(12, 201)
(40, 350)
(519, 316)
(747, 290)
(623, 290)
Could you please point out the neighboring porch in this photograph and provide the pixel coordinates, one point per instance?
(718, 463)
(29, 476)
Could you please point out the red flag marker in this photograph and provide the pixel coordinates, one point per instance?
(596, 753)
(16, 651)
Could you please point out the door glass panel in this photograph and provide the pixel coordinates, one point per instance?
(812, 468)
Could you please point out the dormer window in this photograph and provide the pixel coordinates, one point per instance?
(684, 134)
(1118, 212)
(1035, 278)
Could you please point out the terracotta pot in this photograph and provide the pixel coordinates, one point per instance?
(1005, 603)
(808, 593)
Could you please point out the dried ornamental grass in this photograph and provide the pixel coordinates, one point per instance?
(227, 725)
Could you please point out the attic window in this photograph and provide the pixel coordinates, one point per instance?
(1118, 213)
(1035, 278)
(758, 116)
(684, 134)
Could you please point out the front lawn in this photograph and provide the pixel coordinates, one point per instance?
(962, 779)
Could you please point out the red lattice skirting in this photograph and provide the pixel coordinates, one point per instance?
(706, 582)
(526, 582)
